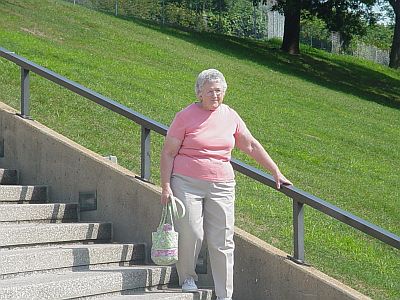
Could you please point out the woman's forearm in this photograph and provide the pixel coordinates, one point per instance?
(168, 153)
(257, 151)
(262, 157)
(166, 165)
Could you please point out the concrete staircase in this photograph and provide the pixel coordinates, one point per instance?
(46, 253)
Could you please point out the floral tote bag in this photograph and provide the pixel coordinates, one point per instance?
(164, 249)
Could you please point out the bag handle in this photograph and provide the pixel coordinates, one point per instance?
(166, 212)
(170, 211)
(175, 213)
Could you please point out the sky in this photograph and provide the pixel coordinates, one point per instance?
(378, 8)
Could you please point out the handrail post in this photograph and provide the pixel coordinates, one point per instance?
(25, 93)
(145, 154)
(298, 232)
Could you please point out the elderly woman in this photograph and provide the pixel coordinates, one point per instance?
(195, 167)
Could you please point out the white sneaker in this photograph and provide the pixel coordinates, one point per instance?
(189, 285)
(220, 298)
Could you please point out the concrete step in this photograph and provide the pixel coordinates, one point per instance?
(67, 258)
(170, 294)
(85, 283)
(49, 213)
(23, 193)
(8, 176)
(12, 235)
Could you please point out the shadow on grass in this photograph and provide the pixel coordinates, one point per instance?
(330, 71)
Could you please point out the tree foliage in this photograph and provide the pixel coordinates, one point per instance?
(313, 31)
(378, 35)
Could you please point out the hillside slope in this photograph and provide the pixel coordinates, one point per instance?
(332, 123)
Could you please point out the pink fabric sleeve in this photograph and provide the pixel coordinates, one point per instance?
(241, 128)
(177, 128)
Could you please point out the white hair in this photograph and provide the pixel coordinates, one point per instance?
(209, 75)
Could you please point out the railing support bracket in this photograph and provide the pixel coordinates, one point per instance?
(298, 261)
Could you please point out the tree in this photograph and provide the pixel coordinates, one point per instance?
(395, 49)
(291, 33)
(348, 17)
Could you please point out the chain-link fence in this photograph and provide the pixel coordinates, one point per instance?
(239, 18)
(373, 53)
(333, 45)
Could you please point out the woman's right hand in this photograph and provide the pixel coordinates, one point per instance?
(165, 194)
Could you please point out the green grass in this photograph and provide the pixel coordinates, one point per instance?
(332, 123)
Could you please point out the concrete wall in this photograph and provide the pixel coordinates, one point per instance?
(44, 157)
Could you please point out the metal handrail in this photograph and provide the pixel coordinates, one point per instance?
(299, 197)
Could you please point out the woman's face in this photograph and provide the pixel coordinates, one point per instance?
(212, 95)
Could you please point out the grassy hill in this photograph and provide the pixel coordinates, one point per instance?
(332, 123)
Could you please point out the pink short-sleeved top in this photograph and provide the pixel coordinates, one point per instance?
(208, 137)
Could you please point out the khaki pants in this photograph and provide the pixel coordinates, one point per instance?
(209, 211)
